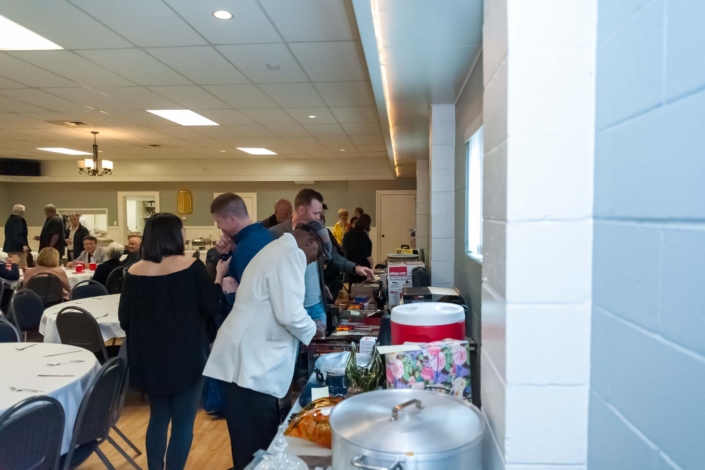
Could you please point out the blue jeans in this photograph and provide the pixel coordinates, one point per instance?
(317, 312)
(179, 409)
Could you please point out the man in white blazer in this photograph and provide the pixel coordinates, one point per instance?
(256, 347)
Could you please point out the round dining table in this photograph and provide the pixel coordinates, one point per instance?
(104, 309)
(71, 274)
(56, 370)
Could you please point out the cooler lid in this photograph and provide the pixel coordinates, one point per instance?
(428, 314)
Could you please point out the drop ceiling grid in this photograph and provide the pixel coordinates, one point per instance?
(191, 85)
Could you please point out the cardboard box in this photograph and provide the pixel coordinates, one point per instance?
(398, 270)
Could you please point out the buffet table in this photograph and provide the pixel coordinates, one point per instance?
(26, 370)
(103, 308)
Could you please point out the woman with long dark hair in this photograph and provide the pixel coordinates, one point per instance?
(357, 245)
(167, 302)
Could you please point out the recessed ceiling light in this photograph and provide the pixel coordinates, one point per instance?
(256, 151)
(273, 67)
(342, 150)
(222, 151)
(64, 151)
(14, 37)
(222, 15)
(185, 117)
(312, 116)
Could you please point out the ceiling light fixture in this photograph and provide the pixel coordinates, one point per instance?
(185, 117)
(342, 150)
(256, 151)
(374, 5)
(95, 167)
(14, 37)
(63, 150)
(222, 15)
(312, 117)
(222, 151)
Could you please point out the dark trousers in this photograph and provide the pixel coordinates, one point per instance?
(253, 420)
(179, 409)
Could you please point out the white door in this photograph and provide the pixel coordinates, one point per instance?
(251, 204)
(396, 218)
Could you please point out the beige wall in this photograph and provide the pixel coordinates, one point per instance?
(93, 193)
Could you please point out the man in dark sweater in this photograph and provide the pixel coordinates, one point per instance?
(53, 231)
(282, 211)
(16, 242)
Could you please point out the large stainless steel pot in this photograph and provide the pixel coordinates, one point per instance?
(406, 430)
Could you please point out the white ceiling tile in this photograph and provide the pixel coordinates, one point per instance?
(293, 95)
(180, 132)
(32, 120)
(288, 130)
(355, 114)
(147, 23)
(252, 60)
(269, 116)
(215, 132)
(335, 141)
(5, 83)
(254, 131)
(362, 128)
(331, 61)
(61, 23)
(192, 97)
(312, 20)
(41, 99)
(367, 140)
(248, 24)
(146, 133)
(241, 96)
(203, 65)
(226, 117)
(141, 118)
(139, 97)
(373, 154)
(74, 67)
(89, 97)
(325, 130)
(371, 148)
(29, 75)
(136, 65)
(302, 141)
(323, 115)
(346, 93)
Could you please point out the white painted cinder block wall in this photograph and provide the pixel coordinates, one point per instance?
(539, 61)
(423, 189)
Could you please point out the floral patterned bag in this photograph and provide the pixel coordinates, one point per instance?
(442, 366)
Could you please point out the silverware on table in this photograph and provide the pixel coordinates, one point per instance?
(61, 354)
(54, 375)
(102, 316)
(15, 389)
(26, 347)
(63, 363)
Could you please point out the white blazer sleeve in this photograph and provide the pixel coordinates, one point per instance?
(286, 293)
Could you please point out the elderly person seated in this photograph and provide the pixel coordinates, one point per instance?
(48, 262)
(134, 243)
(91, 253)
(103, 270)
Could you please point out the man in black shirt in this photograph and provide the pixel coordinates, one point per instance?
(16, 235)
(53, 231)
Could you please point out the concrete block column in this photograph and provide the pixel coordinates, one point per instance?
(422, 197)
(442, 194)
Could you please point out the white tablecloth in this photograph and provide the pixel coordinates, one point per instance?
(74, 278)
(96, 306)
(21, 369)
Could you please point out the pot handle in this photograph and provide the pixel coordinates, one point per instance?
(398, 408)
(361, 462)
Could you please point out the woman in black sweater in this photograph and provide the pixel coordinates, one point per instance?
(166, 306)
(357, 245)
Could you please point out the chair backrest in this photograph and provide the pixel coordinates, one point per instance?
(97, 410)
(85, 289)
(114, 282)
(48, 287)
(31, 433)
(26, 310)
(79, 328)
(8, 333)
(124, 386)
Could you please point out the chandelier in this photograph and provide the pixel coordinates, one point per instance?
(94, 167)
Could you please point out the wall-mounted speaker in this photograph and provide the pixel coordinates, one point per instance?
(16, 167)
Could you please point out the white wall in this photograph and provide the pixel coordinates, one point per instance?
(539, 60)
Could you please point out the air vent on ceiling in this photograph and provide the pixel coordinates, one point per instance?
(71, 124)
(156, 146)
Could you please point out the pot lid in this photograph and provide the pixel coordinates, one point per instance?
(442, 424)
(428, 314)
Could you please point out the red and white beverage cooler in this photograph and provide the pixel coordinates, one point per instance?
(426, 322)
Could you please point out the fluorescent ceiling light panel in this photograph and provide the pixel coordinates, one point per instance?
(185, 117)
(64, 151)
(14, 37)
(256, 151)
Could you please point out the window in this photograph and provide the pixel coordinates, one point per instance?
(475, 153)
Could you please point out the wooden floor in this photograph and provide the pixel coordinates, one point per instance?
(210, 449)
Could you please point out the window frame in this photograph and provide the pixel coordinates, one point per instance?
(474, 181)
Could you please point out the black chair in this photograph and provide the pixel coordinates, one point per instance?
(79, 328)
(8, 333)
(48, 287)
(86, 289)
(115, 279)
(26, 310)
(31, 433)
(124, 386)
(95, 416)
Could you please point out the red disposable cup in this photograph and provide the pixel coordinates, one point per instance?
(92, 266)
(79, 268)
(8, 265)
